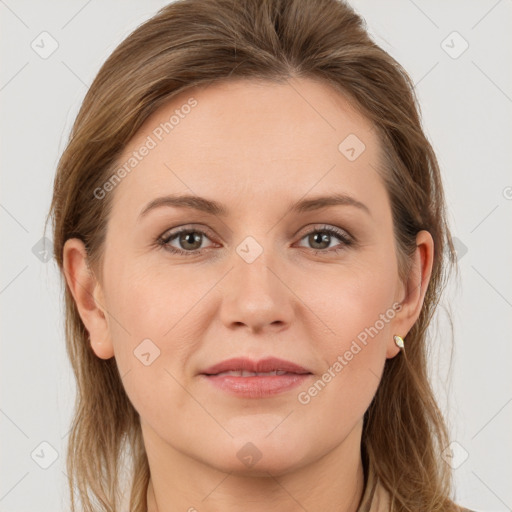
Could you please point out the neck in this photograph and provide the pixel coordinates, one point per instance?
(335, 481)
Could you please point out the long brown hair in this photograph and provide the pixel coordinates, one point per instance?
(191, 42)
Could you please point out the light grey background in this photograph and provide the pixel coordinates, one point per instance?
(466, 101)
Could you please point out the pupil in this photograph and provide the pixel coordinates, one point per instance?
(321, 238)
(190, 238)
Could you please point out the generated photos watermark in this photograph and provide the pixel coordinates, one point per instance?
(151, 142)
(305, 397)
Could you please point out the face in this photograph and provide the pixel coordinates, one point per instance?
(273, 272)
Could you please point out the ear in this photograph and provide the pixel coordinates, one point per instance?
(414, 290)
(88, 296)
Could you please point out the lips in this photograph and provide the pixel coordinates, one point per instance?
(244, 378)
(243, 367)
(245, 373)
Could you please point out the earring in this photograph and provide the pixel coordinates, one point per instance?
(399, 342)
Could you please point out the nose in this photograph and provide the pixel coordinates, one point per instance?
(256, 296)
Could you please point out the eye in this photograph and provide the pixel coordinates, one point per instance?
(321, 238)
(189, 241)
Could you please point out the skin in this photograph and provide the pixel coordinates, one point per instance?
(256, 148)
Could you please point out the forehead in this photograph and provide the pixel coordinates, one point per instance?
(244, 138)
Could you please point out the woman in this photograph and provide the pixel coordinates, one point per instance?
(251, 226)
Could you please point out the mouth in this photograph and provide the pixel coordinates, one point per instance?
(255, 379)
(245, 373)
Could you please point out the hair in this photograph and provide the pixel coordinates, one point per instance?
(201, 42)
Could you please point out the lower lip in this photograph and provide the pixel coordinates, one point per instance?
(257, 386)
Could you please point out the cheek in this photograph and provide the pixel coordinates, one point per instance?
(357, 313)
(352, 297)
(150, 346)
(152, 303)
(151, 322)
(353, 357)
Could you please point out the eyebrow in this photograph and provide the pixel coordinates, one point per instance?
(213, 207)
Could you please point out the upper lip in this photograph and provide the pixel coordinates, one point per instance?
(264, 365)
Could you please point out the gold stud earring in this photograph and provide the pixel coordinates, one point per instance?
(399, 342)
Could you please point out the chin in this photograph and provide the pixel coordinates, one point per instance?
(275, 465)
(260, 455)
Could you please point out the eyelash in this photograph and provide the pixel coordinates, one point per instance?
(167, 237)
